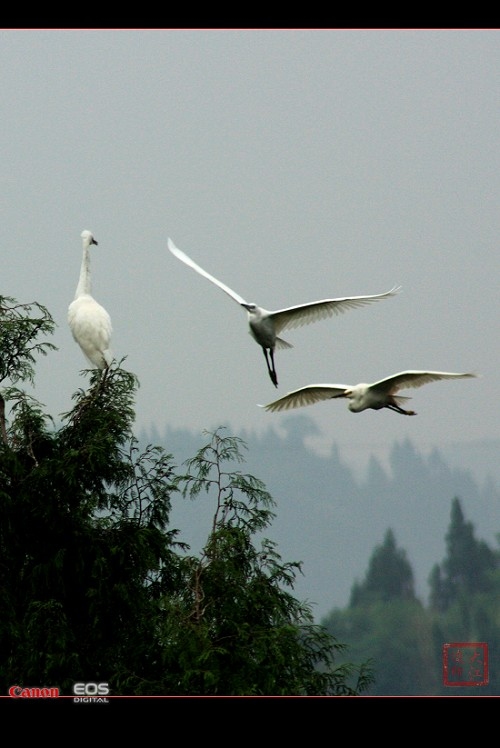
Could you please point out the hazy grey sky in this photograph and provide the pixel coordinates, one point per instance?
(292, 165)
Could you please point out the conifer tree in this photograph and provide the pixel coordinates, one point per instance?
(467, 566)
(389, 575)
(96, 585)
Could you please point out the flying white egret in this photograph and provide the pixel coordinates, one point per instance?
(265, 326)
(381, 394)
(89, 322)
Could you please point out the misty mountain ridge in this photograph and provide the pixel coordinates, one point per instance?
(330, 515)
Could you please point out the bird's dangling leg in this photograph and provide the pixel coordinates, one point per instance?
(270, 365)
(398, 409)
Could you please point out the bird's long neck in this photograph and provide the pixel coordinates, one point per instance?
(84, 285)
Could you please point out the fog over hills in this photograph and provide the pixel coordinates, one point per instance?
(331, 515)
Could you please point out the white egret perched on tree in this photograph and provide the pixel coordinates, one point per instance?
(89, 322)
(265, 326)
(381, 394)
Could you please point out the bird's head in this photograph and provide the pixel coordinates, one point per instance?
(88, 238)
(252, 309)
(353, 401)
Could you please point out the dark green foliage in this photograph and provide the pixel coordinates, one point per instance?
(397, 636)
(21, 325)
(83, 542)
(389, 575)
(96, 586)
(467, 567)
(386, 622)
(465, 597)
(242, 632)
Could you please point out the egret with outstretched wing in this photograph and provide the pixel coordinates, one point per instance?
(381, 394)
(266, 326)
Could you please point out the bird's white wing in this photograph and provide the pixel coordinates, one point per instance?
(304, 314)
(188, 261)
(91, 327)
(313, 393)
(415, 379)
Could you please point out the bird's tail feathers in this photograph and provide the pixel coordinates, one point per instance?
(401, 399)
(108, 357)
(280, 343)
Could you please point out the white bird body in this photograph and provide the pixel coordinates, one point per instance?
(266, 326)
(89, 322)
(381, 394)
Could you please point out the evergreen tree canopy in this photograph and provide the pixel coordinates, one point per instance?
(96, 586)
(403, 639)
(389, 575)
(467, 566)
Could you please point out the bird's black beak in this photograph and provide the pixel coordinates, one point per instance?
(94, 241)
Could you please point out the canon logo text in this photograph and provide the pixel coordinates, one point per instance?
(33, 693)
